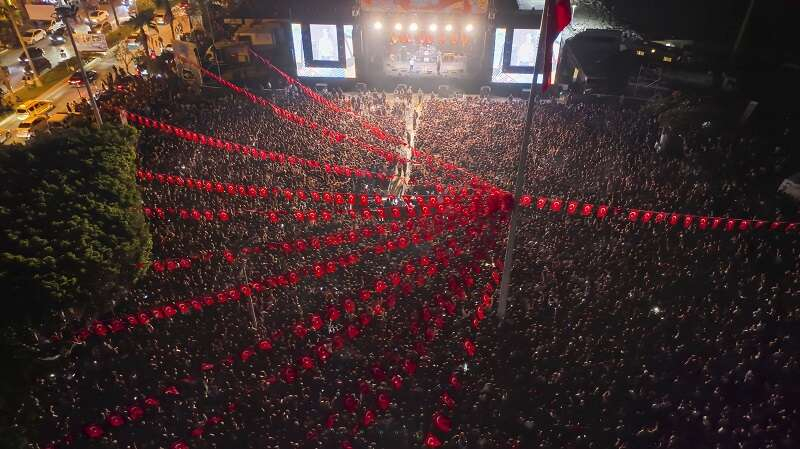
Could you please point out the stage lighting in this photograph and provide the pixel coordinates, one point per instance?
(412, 27)
(468, 28)
(378, 25)
(448, 27)
(398, 26)
(433, 27)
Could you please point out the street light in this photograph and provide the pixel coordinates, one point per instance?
(378, 25)
(7, 11)
(69, 12)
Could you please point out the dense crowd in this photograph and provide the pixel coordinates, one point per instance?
(632, 335)
(618, 335)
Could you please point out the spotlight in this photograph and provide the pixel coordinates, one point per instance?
(448, 27)
(398, 26)
(412, 27)
(378, 25)
(433, 27)
(468, 28)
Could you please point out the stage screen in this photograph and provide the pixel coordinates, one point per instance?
(500, 74)
(527, 5)
(324, 42)
(321, 50)
(523, 47)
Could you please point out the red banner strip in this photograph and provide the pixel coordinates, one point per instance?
(643, 216)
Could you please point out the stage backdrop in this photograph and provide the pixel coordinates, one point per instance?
(450, 6)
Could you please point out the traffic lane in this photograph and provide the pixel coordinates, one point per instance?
(16, 69)
(52, 52)
(64, 93)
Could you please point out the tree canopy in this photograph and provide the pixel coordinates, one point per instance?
(71, 223)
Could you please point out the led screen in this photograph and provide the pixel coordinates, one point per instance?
(324, 42)
(501, 76)
(523, 47)
(349, 69)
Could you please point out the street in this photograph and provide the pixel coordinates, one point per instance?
(16, 69)
(61, 93)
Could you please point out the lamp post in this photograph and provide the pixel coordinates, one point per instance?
(66, 12)
(7, 11)
(522, 165)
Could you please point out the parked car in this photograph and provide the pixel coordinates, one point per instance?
(59, 36)
(41, 65)
(77, 78)
(100, 28)
(98, 16)
(35, 52)
(54, 25)
(33, 108)
(33, 35)
(31, 126)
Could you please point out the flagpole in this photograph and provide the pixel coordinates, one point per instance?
(522, 165)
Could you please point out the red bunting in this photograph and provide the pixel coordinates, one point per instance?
(469, 347)
(442, 422)
(135, 413)
(572, 207)
(368, 419)
(93, 431)
(447, 400)
(383, 400)
(115, 420)
(432, 441)
(350, 403)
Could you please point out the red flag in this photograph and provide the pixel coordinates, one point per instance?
(558, 14)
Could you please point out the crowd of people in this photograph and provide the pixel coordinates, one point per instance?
(632, 335)
(618, 335)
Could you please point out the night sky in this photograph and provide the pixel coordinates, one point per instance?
(716, 21)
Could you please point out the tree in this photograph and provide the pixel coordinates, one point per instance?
(142, 20)
(73, 235)
(124, 56)
(70, 217)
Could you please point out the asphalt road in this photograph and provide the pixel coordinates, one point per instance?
(10, 58)
(62, 93)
